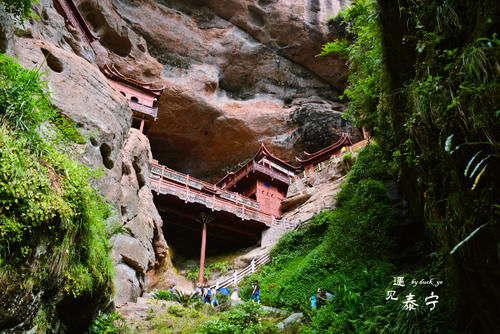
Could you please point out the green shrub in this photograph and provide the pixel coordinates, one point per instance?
(52, 222)
(193, 272)
(346, 252)
(109, 323)
(163, 295)
(243, 318)
(347, 161)
(20, 9)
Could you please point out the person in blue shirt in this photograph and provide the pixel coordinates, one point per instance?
(313, 302)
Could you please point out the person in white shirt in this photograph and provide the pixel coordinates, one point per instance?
(234, 295)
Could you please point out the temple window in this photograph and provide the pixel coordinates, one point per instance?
(134, 99)
(123, 94)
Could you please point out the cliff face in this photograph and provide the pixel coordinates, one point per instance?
(235, 73)
(81, 92)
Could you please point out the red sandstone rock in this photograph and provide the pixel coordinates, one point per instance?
(235, 72)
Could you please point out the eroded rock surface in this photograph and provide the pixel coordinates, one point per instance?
(81, 92)
(313, 194)
(236, 73)
(144, 248)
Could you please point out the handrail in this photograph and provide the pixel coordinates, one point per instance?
(270, 172)
(335, 158)
(163, 186)
(254, 166)
(163, 172)
(151, 111)
(238, 275)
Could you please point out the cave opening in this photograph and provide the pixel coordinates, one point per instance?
(182, 229)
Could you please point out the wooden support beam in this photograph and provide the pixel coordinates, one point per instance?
(211, 234)
(201, 271)
(219, 225)
(141, 128)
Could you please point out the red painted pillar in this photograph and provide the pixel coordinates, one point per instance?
(142, 126)
(202, 255)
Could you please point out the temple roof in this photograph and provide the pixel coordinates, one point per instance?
(263, 152)
(112, 73)
(325, 153)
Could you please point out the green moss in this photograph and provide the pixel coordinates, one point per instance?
(52, 222)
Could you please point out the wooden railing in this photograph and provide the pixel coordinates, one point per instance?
(163, 172)
(238, 275)
(167, 181)
(285, 224)
(189, 189)
(358, 145)
(189, 195)
(271, 172)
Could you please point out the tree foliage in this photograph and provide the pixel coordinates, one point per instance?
(20, 9)
(433, 108)
(353, 252)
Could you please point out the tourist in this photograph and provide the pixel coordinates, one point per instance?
(320, 299)
(255, 291)
(329, 296)
(206, 294)
(234, 295)
(213, 297)
(198, 291)
(313, 302)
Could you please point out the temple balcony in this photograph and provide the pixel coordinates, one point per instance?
(150, 112)
(271, 172)
(254, 166)
(204, 189)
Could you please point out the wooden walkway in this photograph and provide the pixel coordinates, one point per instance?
(166, 181)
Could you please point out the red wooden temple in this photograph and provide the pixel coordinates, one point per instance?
(197, 209)
(142, 97)
(72, 15)
(311, 159)
(265, 178)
